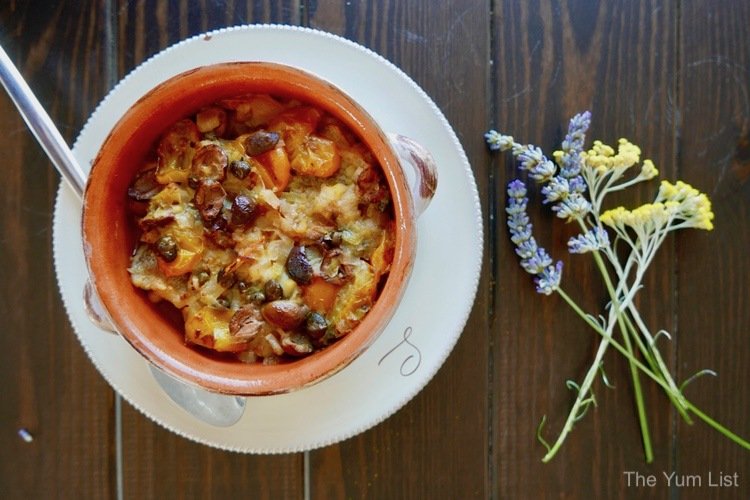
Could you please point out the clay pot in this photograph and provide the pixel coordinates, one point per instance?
(108, 239)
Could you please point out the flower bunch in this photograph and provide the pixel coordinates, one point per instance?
(575, 186)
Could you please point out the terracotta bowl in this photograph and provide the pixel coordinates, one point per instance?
(108, 239)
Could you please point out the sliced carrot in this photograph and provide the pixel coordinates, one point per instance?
(320, 295)
(274, 168)
(317, 157)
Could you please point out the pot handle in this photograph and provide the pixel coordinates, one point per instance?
(422, 175)
(95, 310)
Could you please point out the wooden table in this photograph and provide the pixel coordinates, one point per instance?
(671, 76)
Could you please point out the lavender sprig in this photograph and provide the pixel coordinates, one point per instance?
(563, 189)
(570, 156)
(534, 259)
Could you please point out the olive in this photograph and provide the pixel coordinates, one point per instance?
(153, 220)
(298, 266)
(145, 185)
(239, 168)
(209, 198)
(285, 314)
(167, 248)
(247, 322)
(242, 210)
(273, 290)
(210, 162)
(261, 141)
(217, 232)
(316, 325)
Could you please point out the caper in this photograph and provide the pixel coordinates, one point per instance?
(316, 325)
(224, 302)
(193, 182)
(257, 297)
(242, 286)
(239, 168)
(296, 344)
(273, 290)
(167, 248)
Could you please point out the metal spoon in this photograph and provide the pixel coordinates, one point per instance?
(215, 409)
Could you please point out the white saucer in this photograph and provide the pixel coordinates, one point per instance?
(438, 298)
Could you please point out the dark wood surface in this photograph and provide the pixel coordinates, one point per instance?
(674, 77)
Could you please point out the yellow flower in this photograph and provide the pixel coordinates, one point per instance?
(685, 202)
(628, 154)
(648, 170)
(615, 217)
(558, 156)
(667, 191)
(603, 158)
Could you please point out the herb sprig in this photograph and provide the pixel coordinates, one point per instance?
(576, 186)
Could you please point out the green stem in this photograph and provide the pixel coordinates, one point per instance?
(596, 327)
(655, 359)
(716, 425)
(583, 391)
(657, 365)
(647, 258)
(638, 393)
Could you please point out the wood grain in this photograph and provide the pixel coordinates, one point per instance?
(553, 60)
(51, 387)
(671, 76)
(713, 272)
(436, 446)
(144, 27)
(156, 462)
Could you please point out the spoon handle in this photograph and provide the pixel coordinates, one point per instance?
(41, 125)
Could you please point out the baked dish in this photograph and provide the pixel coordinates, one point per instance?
(266, 223)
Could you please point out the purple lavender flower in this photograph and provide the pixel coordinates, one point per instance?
(532, 160)
(577, 185)
(574, 206)
(549, 279)
(534, 260)
(594, 239)
(498, 142)
(572, 145)
(557, 189)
